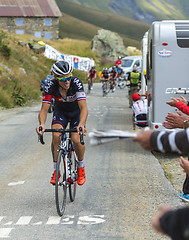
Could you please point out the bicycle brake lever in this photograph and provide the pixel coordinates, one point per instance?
(81, 136)
(40, 137)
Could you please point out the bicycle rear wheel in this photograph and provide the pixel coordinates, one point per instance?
(73, 174)
(61, 184)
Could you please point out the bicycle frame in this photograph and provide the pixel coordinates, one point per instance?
(66, 146)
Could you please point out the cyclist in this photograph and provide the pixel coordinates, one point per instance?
(105, 77)
(70, 105)
(92, 76)
(113, 76)
(120, 73)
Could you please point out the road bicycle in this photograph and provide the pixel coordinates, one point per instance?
(104, 92)
(111, 85)
(89, 84)
(121, 82)
(66, 168)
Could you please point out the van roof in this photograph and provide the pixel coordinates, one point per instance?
(133, 57)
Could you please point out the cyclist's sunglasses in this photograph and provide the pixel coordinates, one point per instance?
(64, 79)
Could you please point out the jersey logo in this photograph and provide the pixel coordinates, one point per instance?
(49, 84)
(78, 83)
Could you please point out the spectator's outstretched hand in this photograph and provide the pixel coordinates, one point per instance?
(143, 138)
(184, 164)
(173, 102)
(183, 100)
(156, 219)
(174, 120)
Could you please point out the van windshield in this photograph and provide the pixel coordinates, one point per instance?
(127, 62)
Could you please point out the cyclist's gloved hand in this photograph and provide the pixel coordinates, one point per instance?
(84, 131)
(40, 129)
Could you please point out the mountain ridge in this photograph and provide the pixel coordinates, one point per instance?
(141, 10)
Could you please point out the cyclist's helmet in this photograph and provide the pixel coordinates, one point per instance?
(93, 67)
(105, 69)
(61, 68)
(119, 57)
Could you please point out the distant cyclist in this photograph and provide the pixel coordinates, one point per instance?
(92, 76)
(70, 105)
(113, 76)
(120, 73)
(105, 76)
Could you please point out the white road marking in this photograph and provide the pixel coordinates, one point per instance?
(9, 223)
(16, 183)
(95, 219)
(67, 220)
(4, 232)
(38, 223)
(53, 220)
(24, 220)
(1, 218)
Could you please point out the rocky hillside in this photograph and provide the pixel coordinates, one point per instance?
(142, 10)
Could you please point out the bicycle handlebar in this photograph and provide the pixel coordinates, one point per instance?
(40, 137)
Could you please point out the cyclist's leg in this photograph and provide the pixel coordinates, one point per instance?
(79, 148)
(59, 121)
(106, 85)
(92, 81)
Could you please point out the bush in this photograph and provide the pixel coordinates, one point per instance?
(5, 50)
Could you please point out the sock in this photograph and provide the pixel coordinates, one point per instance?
(54, 165)
(80, 164)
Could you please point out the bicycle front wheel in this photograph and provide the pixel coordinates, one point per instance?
(61, 184)
(104, 90)
(122, 84)
(73, 174)
(89, 86)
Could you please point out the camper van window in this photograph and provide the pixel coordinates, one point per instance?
(127, 63)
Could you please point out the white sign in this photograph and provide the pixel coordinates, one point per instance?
(80, 63)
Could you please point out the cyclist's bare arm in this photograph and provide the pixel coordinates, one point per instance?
(83, 115)
(42, 117)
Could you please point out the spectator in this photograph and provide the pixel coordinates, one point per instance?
(134, 77)
(139, 107)
(118, 61)
(174, 223)
(178, 120)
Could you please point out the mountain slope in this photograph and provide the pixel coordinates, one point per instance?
(130, 30)
(142, 10)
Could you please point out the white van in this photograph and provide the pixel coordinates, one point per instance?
(129, 62)
(167, 67)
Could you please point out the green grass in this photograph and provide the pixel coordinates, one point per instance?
(17, 87)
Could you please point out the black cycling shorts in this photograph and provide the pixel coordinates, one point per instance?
(63, 118)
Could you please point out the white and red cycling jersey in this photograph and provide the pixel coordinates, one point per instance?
(140, 112)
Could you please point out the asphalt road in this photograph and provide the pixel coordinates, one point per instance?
(124, 183)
